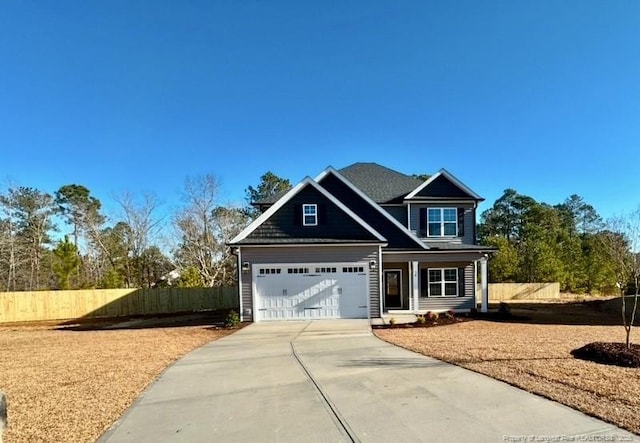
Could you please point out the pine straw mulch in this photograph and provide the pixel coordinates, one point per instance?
(71, 385)
(537, 358)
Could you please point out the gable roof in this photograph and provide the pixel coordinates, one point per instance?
(288, 196)
(396, 233)
(380, 184)
(440, 186)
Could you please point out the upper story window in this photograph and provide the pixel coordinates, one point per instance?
(310, 215)
(442, 222)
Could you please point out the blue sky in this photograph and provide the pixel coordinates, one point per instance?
(540, 96)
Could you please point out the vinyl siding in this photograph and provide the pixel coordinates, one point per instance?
(397, 237)
(460, 303)
(398, 212)
(310, 254)
(332, 222)
(469, 222)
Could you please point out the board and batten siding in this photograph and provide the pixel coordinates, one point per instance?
(460, 303)
(309, 254)
(469, 222)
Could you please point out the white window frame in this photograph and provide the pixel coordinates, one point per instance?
(442, 282)
(313, 214)
(442, 222)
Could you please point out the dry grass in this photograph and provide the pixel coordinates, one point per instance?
(535, 356)
(70, 386)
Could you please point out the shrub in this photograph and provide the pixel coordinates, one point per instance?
(233, 319)
(420, 319)
(392, 321)
(433, 316)
(450, 314)
(504, 310)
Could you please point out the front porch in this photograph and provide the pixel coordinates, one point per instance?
(416, 283)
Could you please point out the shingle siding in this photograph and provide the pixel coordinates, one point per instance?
(469, 222)
(333, 222)
(309, 254)
(442, 187)
(396, 237)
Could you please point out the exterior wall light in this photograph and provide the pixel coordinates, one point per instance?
(372, 264)
(246, 266)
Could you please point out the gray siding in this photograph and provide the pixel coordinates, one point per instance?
(398, 212)
(469, 222)
(461, 303)
(310, 254)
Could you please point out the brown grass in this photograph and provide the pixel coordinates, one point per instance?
(535, 356)
(70, 386)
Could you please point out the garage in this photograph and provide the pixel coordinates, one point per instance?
(310, 291)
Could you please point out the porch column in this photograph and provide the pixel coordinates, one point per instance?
(414, 287)
(485, 286)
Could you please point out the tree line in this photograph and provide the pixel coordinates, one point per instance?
(568, 243)
(64, 240)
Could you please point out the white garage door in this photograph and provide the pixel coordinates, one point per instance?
(310, 291)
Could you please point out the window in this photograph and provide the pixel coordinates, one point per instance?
(443, 282)
(310, 215)
(442, 222)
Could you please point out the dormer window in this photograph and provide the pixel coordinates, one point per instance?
(310, 215)
(442, 222)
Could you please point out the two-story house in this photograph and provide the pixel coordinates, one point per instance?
(360, 242)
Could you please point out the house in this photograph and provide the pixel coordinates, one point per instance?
(361, 242)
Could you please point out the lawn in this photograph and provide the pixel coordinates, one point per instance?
(71, 384)
(534, 354)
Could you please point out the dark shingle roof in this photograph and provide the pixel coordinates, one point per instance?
(380, 184)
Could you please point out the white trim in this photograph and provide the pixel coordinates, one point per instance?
(306, 245)
(239, 265)
(415, 286)
(442, 282)
(365, 197)
(451, 178)
(441, 251)
(290, 194)
(409, 217)
(442, 222)
(485, 285)
(475, 282)
(314, 215)
(380, 300)
(256, 266)
(384, 271)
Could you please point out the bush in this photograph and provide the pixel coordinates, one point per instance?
(504, 310)
(392, 321)
(420, 319)
(233, 319)
(433, 316)
(450, 314)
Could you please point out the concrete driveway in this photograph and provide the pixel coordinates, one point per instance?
(334, 381)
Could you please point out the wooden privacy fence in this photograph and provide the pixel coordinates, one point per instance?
(63, 305)
(521, 291)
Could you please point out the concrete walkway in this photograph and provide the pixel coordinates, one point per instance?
(329, 381)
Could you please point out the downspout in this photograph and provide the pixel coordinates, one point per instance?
(238, 255)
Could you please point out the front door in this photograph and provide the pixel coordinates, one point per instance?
(393, 289)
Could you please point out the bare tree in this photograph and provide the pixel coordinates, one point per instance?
(194, 223)
(622, 243)
(140, 217)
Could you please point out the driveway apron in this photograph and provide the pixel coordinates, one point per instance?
(331, 381)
